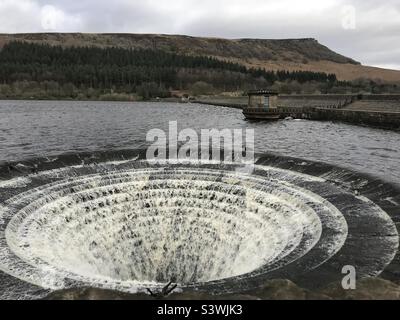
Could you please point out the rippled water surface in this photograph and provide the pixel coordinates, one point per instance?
(38, 128)
(130, 225)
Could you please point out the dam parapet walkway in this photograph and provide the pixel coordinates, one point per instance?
(367, 109)
(377, 110)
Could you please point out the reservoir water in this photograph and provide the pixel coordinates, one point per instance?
(113, 220)
(46, 128)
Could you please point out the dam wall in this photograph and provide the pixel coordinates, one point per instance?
(375, 118)
(223, 104)
(288, 101)
(321, 100)
(374, 110)
(381, 97)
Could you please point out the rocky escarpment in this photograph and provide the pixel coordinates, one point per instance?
(295, 50)
(286, 54)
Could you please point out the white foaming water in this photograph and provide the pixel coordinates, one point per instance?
(184, 229)
(138, 227)
(154, 225)
(14, 183)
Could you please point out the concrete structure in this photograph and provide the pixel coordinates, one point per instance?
(365, 109)
(374, 110)
(77, 243)
(262, 105)
(266, 100)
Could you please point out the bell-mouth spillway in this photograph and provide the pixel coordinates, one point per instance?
(114, 220)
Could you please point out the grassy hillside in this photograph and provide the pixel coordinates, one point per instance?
(43, 70)
(289, 54)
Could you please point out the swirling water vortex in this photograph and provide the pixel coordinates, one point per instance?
(119, 222)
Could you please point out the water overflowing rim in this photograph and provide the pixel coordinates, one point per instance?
(363, 187)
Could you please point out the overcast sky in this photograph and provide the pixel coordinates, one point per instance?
(366, 30)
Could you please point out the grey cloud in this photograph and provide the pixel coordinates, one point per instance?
(376, 40)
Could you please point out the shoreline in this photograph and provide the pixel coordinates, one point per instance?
(172, 100)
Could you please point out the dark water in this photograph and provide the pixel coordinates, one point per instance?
(37, 128)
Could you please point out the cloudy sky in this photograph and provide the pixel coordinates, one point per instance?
(366, 30)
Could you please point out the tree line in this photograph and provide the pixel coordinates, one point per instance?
(127, 69)
(42, 70)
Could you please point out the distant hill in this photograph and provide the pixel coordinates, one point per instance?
(289, 54)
